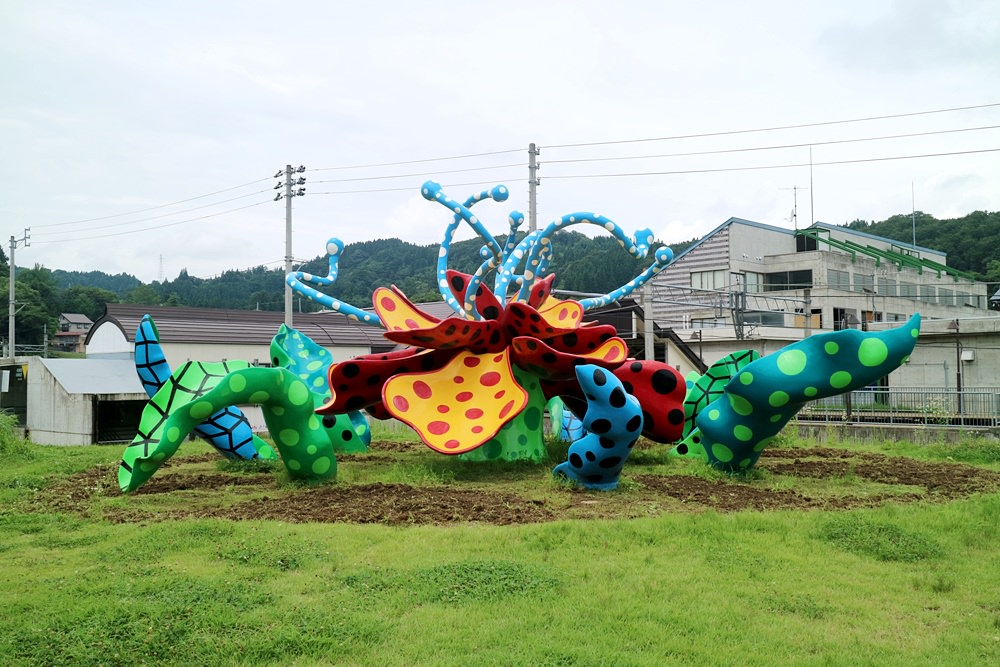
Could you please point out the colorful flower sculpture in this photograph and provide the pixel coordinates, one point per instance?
(480, 378)
(228, 430)
(476, 383)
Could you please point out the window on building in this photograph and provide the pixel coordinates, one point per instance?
(754, 282)
(816, 318)
(786, 280)
(764, 318)
(887, 287)
(714, 280)
(946, 296)
(838, 279)
(907, 290)
(864, 283)
(928, 293)
(845, 318)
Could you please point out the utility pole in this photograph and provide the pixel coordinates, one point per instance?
(647, 321)
(812, 210)
(533, 182)
(289, 192)
(13, 302)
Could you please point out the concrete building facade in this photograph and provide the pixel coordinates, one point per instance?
(748, 285)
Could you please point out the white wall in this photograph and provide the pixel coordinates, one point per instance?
(55, 417)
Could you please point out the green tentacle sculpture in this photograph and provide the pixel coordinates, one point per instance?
(287, 404)
(734, 429)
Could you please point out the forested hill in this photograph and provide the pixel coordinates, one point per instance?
(972, 242)
(583, 264)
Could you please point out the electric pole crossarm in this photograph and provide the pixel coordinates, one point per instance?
(290, 191)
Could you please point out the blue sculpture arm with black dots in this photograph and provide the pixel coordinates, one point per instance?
(303, 282)
(613, 422)
(733, 430)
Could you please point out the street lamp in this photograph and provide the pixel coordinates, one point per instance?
(953, 326)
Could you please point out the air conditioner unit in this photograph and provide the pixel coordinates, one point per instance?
(968, 355)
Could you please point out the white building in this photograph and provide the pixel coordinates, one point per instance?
(748, 285)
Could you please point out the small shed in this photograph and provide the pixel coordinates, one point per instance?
(82, 401)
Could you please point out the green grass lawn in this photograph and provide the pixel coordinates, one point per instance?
(907, 584)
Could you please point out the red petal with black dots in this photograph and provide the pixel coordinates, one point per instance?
(486, 302)
(357, 383)
(378, 411)
(549, 363)
(540, 290)
(660, 389)
(454, 333)
(520, 319)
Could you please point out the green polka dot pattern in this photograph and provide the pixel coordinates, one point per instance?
(732, 431)
(301, 439)
(288, 395)
(710, 386)
(157, 438)
(296, 352)
(522, 438)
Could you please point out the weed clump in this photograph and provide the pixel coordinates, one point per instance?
(879, 540)
(11, 443)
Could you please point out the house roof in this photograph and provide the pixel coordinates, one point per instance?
(815, 225)
(248, 327)
(95, 376)
(727, 223)
(76, 318)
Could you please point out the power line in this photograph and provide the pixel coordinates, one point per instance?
(432, 159)
(452, 171)
(772, 129)
(778, 147)
(406, 189)
(157, 217)
(774, 166)
(153, 208)
(147, 229)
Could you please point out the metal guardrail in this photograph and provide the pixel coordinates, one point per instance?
(900, 405)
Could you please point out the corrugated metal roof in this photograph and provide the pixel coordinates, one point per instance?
(95, 376)
(250, 327)
(76, 318)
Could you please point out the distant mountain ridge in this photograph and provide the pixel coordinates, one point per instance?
(581, 263)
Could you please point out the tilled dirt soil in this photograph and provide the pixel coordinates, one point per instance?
(869, 479)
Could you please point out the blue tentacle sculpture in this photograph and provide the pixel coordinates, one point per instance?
(303, 282)
(432, 191)
(613, 422)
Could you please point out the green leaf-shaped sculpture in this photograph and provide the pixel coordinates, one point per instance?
(285, 400)
(758, 401)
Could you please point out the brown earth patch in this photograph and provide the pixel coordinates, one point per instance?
(185, 489)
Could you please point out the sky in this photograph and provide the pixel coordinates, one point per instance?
(144, 138)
